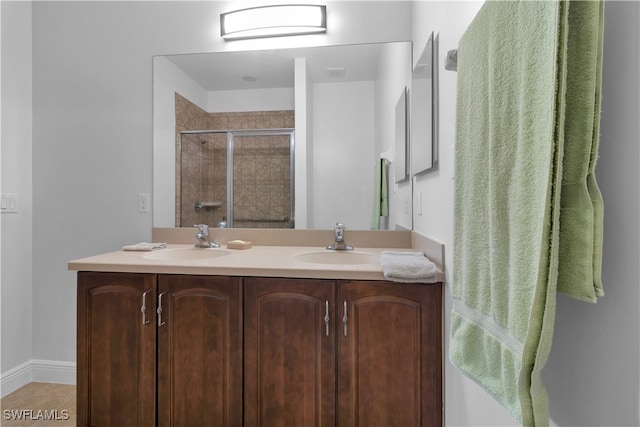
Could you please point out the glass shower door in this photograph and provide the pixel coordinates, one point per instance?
(236, 179)
(202, 190)
(262, 179)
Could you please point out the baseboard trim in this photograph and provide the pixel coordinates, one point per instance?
(54, 371)
(15, 378)
(36, 370)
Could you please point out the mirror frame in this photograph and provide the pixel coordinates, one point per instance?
(402, 148)
(429, 56)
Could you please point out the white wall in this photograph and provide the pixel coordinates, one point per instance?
(592, 375)
(17, 291)
(271, 99)
(303, 146)
(92, 127)
(596, 348)
(347, 186)
(167, 80)
(390, 84)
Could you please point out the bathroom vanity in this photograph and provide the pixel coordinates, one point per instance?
(272, 335)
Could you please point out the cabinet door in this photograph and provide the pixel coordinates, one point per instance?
(389, 354)
(199, 351)
(289, 352)
(116, 349)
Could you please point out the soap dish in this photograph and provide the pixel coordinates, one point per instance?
(238, 244)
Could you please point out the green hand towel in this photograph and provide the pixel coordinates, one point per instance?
(380, 194)
(384, 188)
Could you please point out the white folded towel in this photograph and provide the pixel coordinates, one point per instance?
(144, 246)
(408, 267)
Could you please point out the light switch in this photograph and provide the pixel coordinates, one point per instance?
(9, 203)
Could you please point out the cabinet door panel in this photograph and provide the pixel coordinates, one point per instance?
(289, 358)
(200, 351)
(116, 349)
(389, 363)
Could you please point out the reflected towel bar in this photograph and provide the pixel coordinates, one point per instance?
(285, 219)
(206, 205)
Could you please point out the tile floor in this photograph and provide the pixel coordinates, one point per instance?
(39, 404)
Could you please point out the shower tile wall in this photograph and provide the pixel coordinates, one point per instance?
(262, 183)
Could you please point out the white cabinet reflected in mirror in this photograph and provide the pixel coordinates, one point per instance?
(424, 110)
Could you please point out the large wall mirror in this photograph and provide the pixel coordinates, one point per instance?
(337, 102)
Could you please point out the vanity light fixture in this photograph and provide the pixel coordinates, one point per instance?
(273, 21)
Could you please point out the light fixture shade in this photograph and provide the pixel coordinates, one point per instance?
(273, 21)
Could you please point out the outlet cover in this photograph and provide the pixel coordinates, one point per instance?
(143, 202)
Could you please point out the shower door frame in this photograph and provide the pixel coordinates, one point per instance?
(231, 134)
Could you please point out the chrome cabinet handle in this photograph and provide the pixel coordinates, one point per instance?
(345, 319)
(159, 310)
(327, 319)
(143, 309)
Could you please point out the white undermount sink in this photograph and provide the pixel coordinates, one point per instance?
(186, 254)
(339, 257)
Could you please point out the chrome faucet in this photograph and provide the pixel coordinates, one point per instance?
(204, 239)
(339, 244)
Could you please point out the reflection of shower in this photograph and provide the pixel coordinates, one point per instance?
(242, 177)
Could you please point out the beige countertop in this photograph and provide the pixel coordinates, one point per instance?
(263, 261)
(259, 260)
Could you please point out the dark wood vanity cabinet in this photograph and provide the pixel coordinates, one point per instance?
(116, 353)
(199, 350)
(389, 354)
(214, 350)
(190, 325)
(289, 349)
(346, 353)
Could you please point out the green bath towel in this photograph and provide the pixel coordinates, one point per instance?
(518, 157)
(581, 211)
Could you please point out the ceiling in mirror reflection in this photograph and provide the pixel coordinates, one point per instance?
(264, 69)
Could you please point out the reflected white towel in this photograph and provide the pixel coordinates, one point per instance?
(144, 246)
(408, 267)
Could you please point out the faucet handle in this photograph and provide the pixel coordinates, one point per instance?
(339, 244)
(202, 228)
